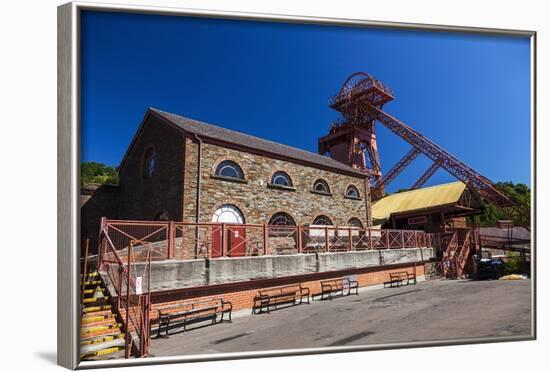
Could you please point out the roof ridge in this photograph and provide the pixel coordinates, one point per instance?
(200, 122)
(333, 163)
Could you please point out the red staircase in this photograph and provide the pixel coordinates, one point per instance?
(457, 247)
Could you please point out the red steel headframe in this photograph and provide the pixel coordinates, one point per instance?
(360, 101)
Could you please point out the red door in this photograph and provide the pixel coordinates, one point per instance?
(237, 241)
(217, 241)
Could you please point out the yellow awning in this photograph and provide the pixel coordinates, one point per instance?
(428, 197)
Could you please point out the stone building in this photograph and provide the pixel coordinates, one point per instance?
(184, 170)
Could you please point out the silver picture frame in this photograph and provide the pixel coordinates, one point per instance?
(68, 233)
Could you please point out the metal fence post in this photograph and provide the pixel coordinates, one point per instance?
(370, 238)
(266, 237)
(127, 333)
(224, 240)
(299, 238)
(119, 287)
(402, 239)
(326, 239)
(102, 230)
(387, 239)
(350, 243)
(171, 240)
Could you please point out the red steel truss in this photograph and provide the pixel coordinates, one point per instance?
(360, 102)
(426, 176)
(378, 188)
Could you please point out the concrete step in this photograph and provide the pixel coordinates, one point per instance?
(95, 314)
(94, 308)
(94, 290)
(95, 347)
(107, 354)
(96, 317)
(99, 321)
(95, 299)
(93, 282)
(101, 339)
(99, 334)
(99, 328)
(93, 274)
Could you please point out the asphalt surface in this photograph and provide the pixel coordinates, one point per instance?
(428, 311)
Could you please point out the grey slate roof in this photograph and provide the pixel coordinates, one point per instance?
(252, 142)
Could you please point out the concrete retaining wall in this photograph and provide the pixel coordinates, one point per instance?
(173, 274)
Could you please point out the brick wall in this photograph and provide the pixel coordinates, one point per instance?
(144, 198)
(256, 200)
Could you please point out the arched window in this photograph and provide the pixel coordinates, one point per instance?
(321, 186)
(322, 220)
(230, 169)
(352, 192)
(280, 178)
(228, 213)
(149, 162)
(282, 219)
(355, 222)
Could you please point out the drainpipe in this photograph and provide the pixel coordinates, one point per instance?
(198, 201)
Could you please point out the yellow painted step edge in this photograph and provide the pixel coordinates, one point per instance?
(102, 339)
(85, 330)
(93, 273)
(92, 319)
(91, 309)
(103, 352)
(88, 291)
(95, 299)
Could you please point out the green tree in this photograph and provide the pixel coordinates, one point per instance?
(491, 214)
(93, 172)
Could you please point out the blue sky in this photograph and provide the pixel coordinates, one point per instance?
(468, 93)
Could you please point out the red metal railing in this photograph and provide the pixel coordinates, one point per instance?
(129, 282)
(160, 240)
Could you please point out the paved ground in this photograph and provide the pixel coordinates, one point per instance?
(433, 310)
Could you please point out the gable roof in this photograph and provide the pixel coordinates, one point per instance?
(230, 137)
(425, 198)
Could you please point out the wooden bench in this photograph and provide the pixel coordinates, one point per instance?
(400, 278)
(334, 287)
(192, 312)
(272, 297)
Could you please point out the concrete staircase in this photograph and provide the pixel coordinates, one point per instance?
(100, 332)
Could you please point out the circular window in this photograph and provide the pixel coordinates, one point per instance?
(355, 222)
(352, 192)
(282, 219)
(228, 168)
(322, 220)
(228, 213)
(282, 179)
(321, 186)
(149, 162)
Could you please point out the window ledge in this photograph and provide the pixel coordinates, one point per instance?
(228, 179)
(352, 197)
(281, 187)
(320, 193)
